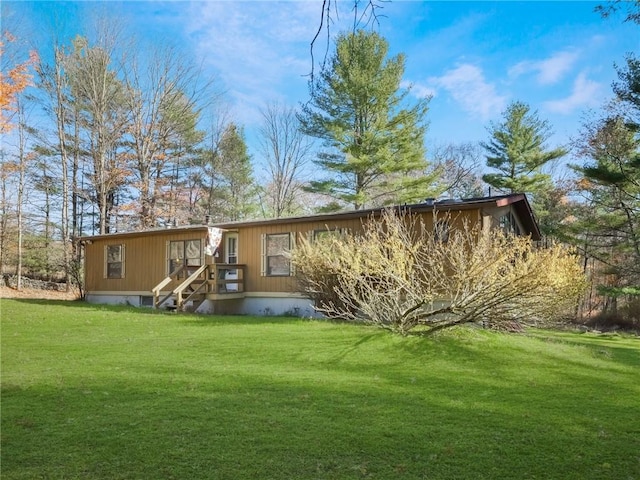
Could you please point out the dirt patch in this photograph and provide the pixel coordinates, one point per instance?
(8, 292)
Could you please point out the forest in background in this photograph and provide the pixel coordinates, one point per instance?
(101, 136)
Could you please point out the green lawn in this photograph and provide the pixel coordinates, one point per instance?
(96, 392)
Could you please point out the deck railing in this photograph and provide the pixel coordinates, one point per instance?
(227, 278)
(222, 279)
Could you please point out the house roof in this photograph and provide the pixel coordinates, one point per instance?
(151, 231)
(518, 201)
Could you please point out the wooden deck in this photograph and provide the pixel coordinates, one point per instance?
(216, 281)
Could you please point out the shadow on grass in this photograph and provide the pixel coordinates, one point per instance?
(41, 301)
(213, 320)
(196, 319)
(126, 401)
(624, 348)
(203, 423)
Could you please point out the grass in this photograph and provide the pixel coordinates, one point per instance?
(97, 392)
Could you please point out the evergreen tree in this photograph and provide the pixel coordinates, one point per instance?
(609, 226)
(627, 90)
(517, 150)
(374, 137)
(99, 97)
(233, 192)
(611, 179)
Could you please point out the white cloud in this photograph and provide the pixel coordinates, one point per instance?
(468, 87)
(585, 93)
(549, 70)
(260, 50)
(419, 90)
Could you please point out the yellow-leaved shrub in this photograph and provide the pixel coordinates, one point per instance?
(396, 274)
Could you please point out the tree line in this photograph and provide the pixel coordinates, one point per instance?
(103, 139)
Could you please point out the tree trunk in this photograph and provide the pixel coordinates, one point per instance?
(61, 127)
(22, 166)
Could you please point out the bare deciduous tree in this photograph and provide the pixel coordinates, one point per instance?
(6, 172)
(399, 275)
(54, 86)
(458, 166)
(100, 95)
(365, 13)
(23, 158)
(285, 149)
(164, 99)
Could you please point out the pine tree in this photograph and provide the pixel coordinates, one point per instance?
(374, 138)
(610, 226)
(99, 97)
(517, 150)
(232, 192)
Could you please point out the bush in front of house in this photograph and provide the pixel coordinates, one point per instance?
(397, 274)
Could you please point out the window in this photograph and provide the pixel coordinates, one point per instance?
(114, 261)
(231, 250)
(441, 231)
(231, 257)
(146, 301)
(275, 259)
(508, 224)
(193, 253)
(327, 233)
(184, 252)
(176, 255)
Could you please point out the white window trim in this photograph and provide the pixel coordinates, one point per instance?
(228, 237)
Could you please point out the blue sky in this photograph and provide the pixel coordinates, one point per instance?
(472, 57)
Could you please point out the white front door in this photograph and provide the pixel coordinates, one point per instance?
(231, 248)
(231, 257)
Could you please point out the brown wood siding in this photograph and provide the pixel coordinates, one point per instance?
(497, 212)
(250, 244)
(250, 251)
(145, 261)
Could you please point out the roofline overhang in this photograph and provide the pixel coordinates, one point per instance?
(140, 233)
(440, 206)
(518, 201)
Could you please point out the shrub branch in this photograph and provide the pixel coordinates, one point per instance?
(398, 275)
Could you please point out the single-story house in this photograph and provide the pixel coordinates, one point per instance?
(242, 267)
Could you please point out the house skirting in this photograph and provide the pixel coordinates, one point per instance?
(135, 299)
(252, 303)
(262, 304)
